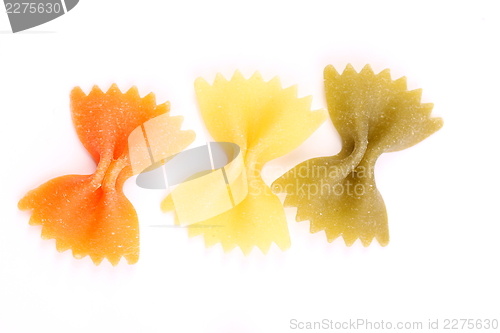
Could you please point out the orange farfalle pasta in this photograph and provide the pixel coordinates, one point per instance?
(266, 122)
(90, 214)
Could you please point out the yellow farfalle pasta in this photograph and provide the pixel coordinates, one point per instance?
(373, 115)
(266, 122)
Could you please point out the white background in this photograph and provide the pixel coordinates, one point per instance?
(441, 195)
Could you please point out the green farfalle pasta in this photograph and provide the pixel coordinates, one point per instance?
(373, 115)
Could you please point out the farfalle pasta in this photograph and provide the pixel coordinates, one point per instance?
(90, 214)
(266, 122)
(373, 115)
